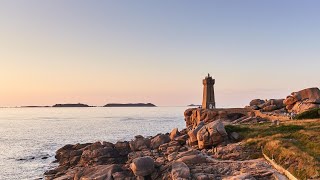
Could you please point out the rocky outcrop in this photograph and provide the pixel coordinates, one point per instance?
(267, 105)
(194, 116)
(303, 100)
(99, 159)
(186, 154)
(296, 102)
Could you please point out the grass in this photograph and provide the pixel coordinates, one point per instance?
(311, 114)
(295, 145)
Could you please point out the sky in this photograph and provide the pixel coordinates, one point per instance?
(98, 52)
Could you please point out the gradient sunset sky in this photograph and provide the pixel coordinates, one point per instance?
(98, 52)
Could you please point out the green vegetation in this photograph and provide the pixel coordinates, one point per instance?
(231, 128)
(295, 145)
(311, 114)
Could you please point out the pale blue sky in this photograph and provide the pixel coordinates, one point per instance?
(156, 51)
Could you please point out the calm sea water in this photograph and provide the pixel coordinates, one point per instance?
(29, 137)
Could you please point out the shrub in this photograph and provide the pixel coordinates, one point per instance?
(310, 114)
(232, 128)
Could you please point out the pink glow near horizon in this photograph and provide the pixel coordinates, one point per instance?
(98, 53)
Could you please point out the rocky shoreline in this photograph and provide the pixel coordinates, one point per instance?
(206, 149)
(176, 155)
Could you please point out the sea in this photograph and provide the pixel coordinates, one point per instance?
(29, 137)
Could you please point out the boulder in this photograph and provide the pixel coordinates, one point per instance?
(103, 155)
(217, 131)
(136, 154)
(108, 144)
(67, 152)
(256, 102)
(242, 176)
(300, 107)
(303, 100)
(289, 107)
(254, 107)
(139, 143)
(108, 152)
(211, 134)
(173, 149)
(172, 156)
(261, 106)
(201, 115)
(182, 139)
(203, 137)
(193, 133)
(188, 116)
(142, 166)
(194, 116)
(100, 153)
(177, 155)
(168, 148)
(123, 148)
(313, 101)
(270, 105)
(159, 140)
(305, 96)
(93, 146)
(70, 174)
(290, 100)
(309, 93)
(269, 108)
(235, 136)
(59, 169)
(125, 175)
(174, 133)
(193, 159)
(188, 112)
(208, 115)
(277, 102)
(100, 172)
(180, 171)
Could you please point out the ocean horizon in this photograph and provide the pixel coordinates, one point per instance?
(30, 136)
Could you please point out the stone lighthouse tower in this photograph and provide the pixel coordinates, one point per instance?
(208, 101)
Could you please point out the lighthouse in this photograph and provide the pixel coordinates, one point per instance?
(208, 101)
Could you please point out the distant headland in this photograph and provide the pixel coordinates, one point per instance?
(130, 105)
(71, 105)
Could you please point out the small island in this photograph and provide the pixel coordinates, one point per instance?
(193, 105)
(130, 105)
(71, 105)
